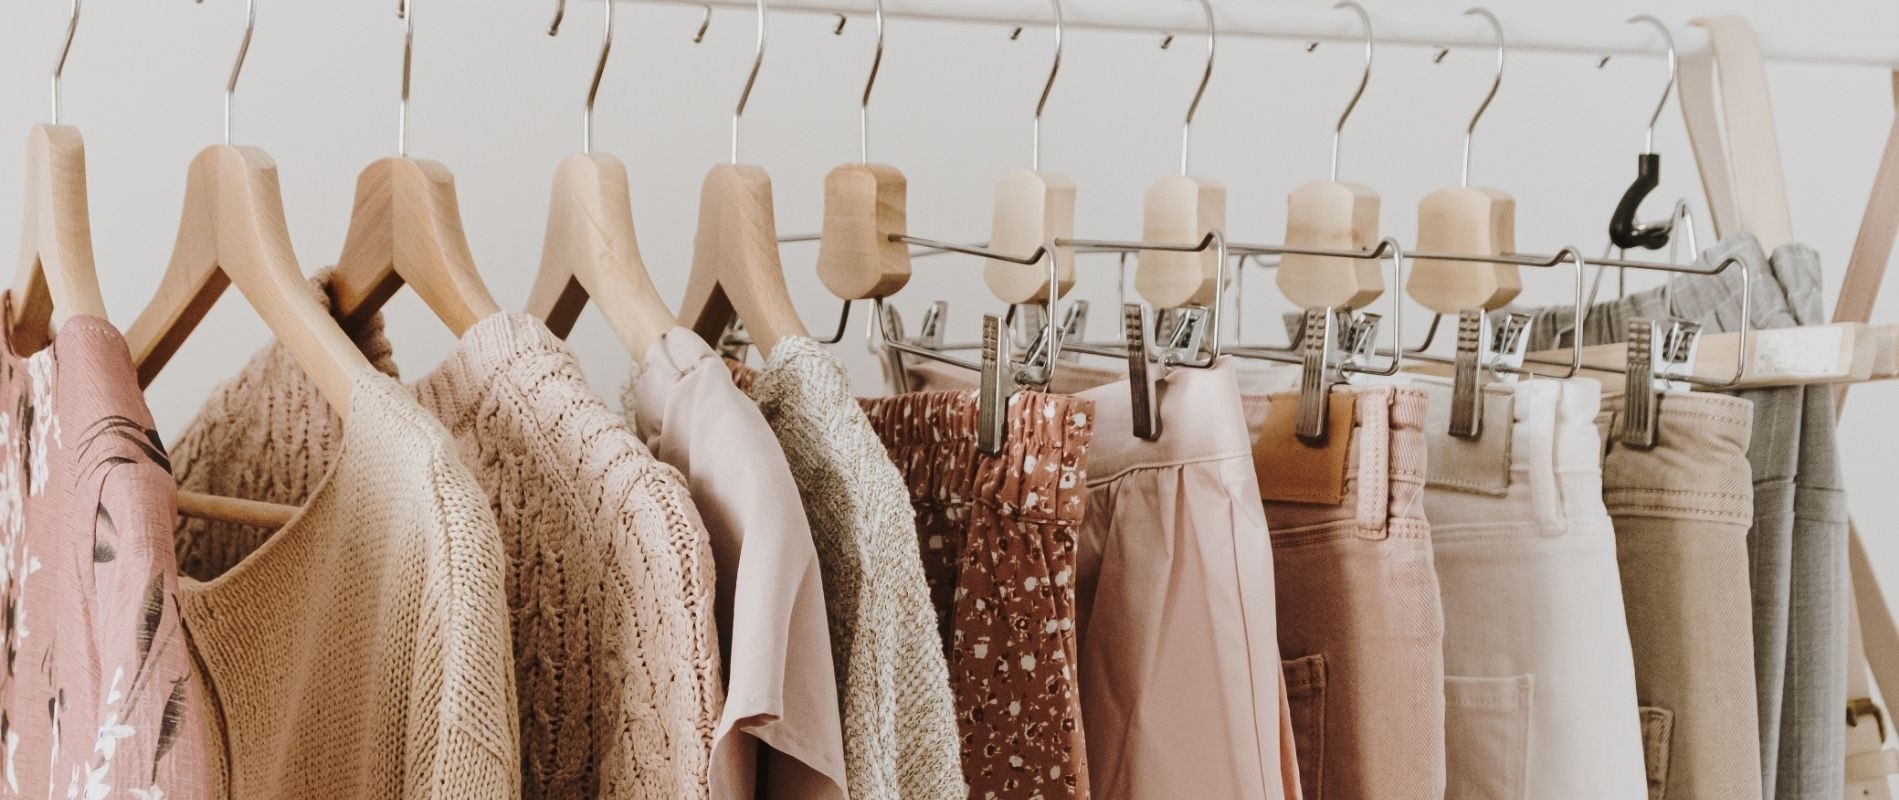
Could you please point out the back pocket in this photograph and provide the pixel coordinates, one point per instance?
(1305, 696)
(1487, 737)
(1658, 728)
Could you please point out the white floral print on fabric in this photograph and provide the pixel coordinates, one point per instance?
(95, 697)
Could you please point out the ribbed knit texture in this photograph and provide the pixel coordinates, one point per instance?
(361, 651)
(900, 735)
(608, 569)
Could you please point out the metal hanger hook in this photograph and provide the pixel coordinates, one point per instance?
(1206, 76)
(59, 67)
(1668, 39)
(751, 79)
(1495, 83)
(237, 66)
(1054, 68)
(599, 68)
(863, 103)
(1338, 130)
(407, 15)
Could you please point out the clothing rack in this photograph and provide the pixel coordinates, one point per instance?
(1578, 34)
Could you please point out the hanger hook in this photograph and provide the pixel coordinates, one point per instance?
(745, 96)
(59, 67)
(407, 15)
(1668, 39)
(230, 86)
(599, 67)
(1206, 76)
(876, 63)
(1054, 68)
(1495, 83)
(1364, 22)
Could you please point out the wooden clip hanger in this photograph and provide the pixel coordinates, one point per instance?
(1467, 219)
(1334, 215)
(56, 277)
(590, 251)
(736, 273)
(233, 231)
(1032, 208)
(1181, 209)
(406, 227)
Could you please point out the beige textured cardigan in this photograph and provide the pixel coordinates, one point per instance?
(900, 736)
(608, 568)
(362, 650)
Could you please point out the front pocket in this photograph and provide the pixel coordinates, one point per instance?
(1487, 737)
(1305, 697)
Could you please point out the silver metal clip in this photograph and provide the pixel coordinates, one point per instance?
(1357, 337)
(1026, 321)
(1189, 338)
(1656, 349)
(1074, 326)
(998, 384)
(896, 373)
(1321, 349)
(1482, 349)
(931, 334)
(1141, 371)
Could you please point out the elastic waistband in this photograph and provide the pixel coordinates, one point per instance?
(1038, 477)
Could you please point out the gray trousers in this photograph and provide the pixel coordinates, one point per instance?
(1797, 545)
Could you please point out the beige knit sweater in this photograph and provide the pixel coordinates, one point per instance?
(608, 568)
(900, 736)
(362, 651)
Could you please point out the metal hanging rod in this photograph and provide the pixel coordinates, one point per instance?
(1578, 33)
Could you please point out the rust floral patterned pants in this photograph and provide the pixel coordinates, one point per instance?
(998, 539)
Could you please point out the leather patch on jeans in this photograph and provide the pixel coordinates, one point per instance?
(1291, 471)
(1481, 465)
(1658, 727)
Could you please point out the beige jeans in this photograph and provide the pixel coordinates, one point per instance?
(1681, 514)
(1541, 701)
(1359, 618)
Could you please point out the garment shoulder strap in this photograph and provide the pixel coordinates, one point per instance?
(1736, 146)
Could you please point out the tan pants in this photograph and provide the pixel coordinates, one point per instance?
(1681, 514)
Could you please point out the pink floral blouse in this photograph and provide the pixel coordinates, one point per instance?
(96, 699)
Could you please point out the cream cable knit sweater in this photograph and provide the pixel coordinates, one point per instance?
(608, 569)
(900, 736)
(362, 651)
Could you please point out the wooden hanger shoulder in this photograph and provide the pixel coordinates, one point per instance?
(406, 228)
(864, 204)
(1470, 220)
(1032, 209)
(56, 277)
(233, 231)
(1336, 216)
(591, 252)
(735, 264)
(1180, 210)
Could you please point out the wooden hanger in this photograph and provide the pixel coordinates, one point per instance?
(1033, 208)
(233, 231)
(1467, 219)
(861, 252)
(590, 251)
(1337, 216)
(736, 273)
(406, 227)
(1180, 209)
(57, 277)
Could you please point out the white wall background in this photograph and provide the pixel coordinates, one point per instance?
(499, 101)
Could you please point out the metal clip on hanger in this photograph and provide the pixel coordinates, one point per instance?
(1624, 230)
